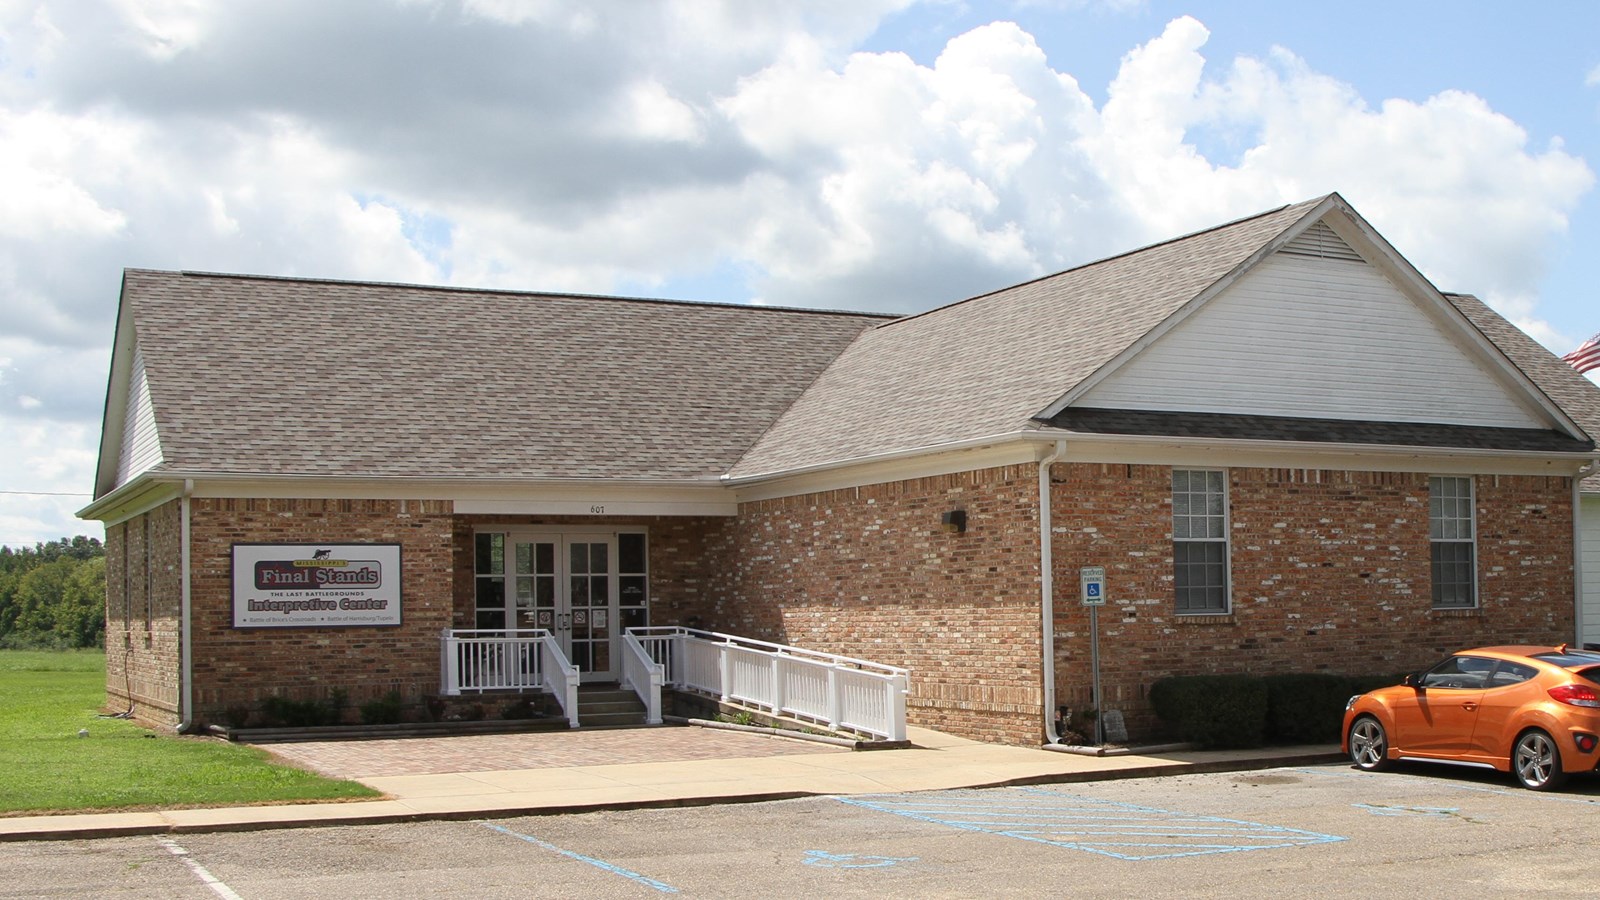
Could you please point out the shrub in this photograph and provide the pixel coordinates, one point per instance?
(291, 713)
(521, 708)
(1306, 708)
(1360, 684)
(388, 710)
(1224, 711)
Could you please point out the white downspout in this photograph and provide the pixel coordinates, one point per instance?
(1577, 550)
(1047, 594)
(186, 721)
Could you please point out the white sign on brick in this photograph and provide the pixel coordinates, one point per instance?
(315, 585)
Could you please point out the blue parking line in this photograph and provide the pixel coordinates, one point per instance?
(1118, 830)
(661, 886)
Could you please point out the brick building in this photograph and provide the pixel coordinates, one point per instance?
(1285, 448)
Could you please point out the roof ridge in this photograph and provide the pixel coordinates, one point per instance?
(459, 289)
(1112, 258)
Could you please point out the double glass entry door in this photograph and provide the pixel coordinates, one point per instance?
(582, 588)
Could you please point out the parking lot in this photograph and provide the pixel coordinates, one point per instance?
(1421, 831)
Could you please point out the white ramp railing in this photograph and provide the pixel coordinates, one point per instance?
(495, 660)
(841, 692)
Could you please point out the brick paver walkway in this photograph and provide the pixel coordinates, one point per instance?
(536, 750)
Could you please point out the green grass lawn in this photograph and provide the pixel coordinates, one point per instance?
(46, 698)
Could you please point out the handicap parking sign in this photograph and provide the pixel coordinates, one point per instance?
(1092, 579)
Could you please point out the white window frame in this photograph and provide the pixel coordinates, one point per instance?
(1224, 539)
(1446, 530)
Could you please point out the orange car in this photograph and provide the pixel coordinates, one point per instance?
(1530, 711)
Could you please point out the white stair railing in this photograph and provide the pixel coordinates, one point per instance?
(841, 692)
(644, 676)
(497, 660)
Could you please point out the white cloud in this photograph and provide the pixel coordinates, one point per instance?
(565, 146)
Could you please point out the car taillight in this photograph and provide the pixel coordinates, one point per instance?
(1576, 695)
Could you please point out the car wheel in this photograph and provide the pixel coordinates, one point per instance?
(1369, 744)
(1536, 761)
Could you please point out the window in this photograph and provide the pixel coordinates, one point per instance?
(490, 570)
(1200, 540)
(1460, 672)
(1451, 533)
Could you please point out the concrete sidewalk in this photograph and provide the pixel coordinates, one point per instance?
(936, 762)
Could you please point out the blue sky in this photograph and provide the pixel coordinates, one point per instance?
(865, 154)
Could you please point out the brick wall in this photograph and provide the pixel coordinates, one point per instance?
(867, 572)
(143, 603)
(235, 669)
(1330, 573)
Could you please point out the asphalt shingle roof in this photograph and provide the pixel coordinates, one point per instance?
(276, 376)
(290, 376)
(1088, 420)
(987, 365)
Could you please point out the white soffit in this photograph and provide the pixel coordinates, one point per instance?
(1314, 331)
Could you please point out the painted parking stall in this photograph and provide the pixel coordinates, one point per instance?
(1124, 831)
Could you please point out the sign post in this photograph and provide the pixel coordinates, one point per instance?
(1092, 585)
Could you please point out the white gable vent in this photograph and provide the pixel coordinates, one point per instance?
(1321, 241)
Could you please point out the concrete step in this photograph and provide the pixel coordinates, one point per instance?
(607, 705)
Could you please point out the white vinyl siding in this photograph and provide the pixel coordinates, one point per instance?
(1313, 337)
(1589, 563)
(141, 446)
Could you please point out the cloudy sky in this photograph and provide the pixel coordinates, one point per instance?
(863, 154)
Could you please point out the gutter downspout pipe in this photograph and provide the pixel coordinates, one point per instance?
(1577, 550)
(1047, 605)
(186, 723)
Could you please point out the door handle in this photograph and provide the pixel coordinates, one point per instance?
(1469, 706)
(564, 622)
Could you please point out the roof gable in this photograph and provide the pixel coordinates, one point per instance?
(1326, 321)
(1316, 337)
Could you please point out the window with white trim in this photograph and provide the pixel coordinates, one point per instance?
(1454, 540)
(1200, 540)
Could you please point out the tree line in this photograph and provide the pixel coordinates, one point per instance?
(53, 595)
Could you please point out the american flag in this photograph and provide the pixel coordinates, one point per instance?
(1586, 357)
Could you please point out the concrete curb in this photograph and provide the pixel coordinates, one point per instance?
(258, 818)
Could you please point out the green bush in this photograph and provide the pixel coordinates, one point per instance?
(1222, 711)
(291, 713)
(1306, 708)
(388, 710)
(1360, 684)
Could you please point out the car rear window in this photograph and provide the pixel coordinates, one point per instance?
(1570, 659)
(1592, 673)
(1509, 673)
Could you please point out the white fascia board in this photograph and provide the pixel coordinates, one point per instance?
(135, 498)
(1217, 452)
(925, 462)
(549, 496)
(114, 418)
(1188, 309)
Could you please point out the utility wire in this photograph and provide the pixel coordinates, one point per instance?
(48, 493)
